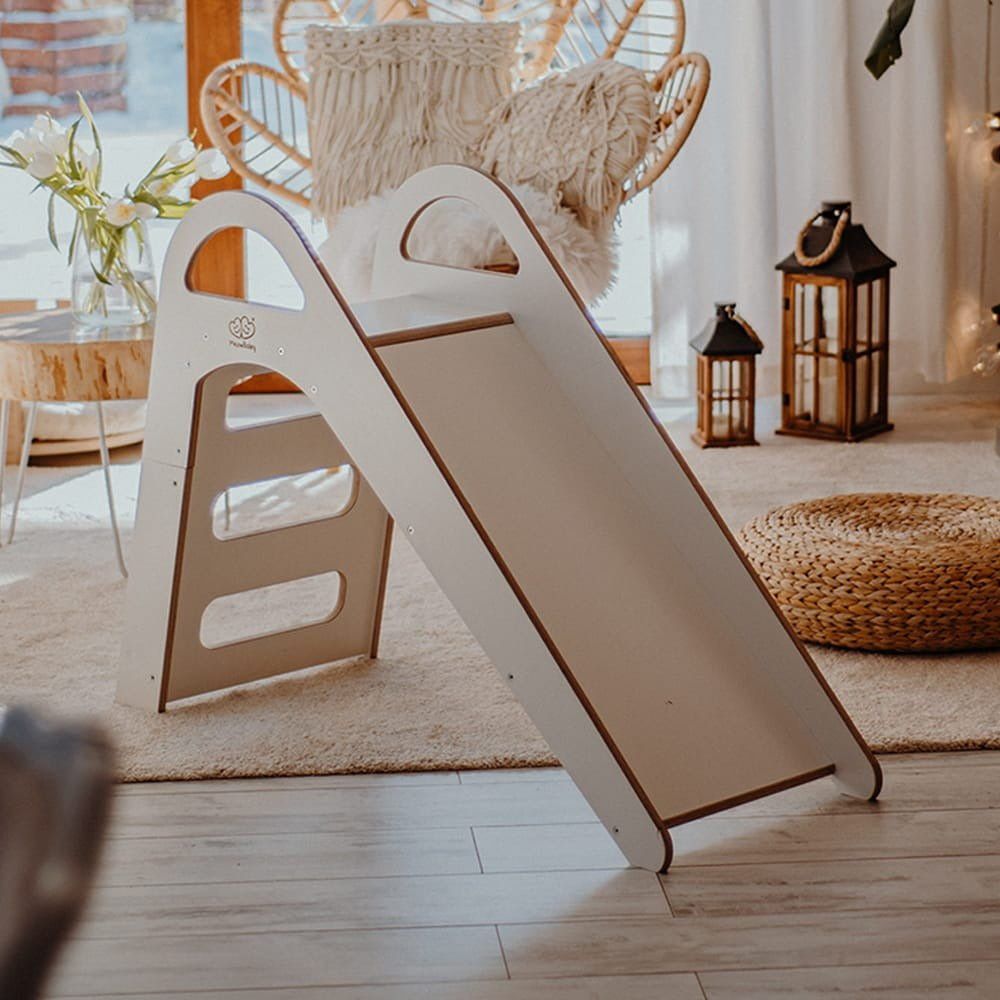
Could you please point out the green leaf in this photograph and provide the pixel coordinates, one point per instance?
(100, 275)
(174, 211)
(19, 160)
(74, 164)
(151, 173)
(887, 47)
(53, 239)
(77, 226)
(85, 111)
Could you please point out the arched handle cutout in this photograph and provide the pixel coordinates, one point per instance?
(452, 231)
(269, 281)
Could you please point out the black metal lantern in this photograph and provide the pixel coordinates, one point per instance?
(727, 355)
(835, 331)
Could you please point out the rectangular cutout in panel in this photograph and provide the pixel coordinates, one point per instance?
(284, 501)
(278, 607)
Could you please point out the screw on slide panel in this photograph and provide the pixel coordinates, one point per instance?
(312, 388)
(615, 830)
(281, 350)
(409, 529)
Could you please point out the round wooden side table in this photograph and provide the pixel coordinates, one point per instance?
(46, 358)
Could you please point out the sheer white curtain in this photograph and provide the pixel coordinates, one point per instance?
(793, 118)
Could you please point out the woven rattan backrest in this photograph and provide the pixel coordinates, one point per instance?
(557, 33)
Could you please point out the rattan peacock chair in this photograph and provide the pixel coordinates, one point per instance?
(255, 114)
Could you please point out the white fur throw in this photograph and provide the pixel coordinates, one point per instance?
(575, 135)
(455, 232)
(388, 100)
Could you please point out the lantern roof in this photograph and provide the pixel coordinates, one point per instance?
(857, 258)
(726, 334)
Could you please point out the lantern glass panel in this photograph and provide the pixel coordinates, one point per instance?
(743, 400)
(817, 345)
(732, 386)
(878, 312)
(877, 362)
(721, 374)
(864, 316)
(803, 388)
(871, 339)
(864, 383)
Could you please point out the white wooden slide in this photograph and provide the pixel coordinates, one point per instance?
(486, 414)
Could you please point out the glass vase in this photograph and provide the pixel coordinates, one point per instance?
(127, 295)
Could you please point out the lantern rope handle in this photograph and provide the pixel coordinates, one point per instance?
(831, 248)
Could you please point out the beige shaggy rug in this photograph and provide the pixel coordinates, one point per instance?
(432, 700)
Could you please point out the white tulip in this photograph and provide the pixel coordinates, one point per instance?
(145, 211)
(42, 165)
(210, 165)
(120, 212)
(26, 145)
(181, 151)
(56, 142)
(87, 158)
(43, 124)
(161, 187)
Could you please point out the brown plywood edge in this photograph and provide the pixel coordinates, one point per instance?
(380, 599)
(441, 329)
(750, 796)
(175, 587)
(276, 382)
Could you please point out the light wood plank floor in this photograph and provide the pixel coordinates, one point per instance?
(501, 886)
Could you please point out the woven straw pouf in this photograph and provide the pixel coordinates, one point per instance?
(888, 571)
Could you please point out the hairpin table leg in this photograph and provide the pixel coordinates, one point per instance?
(106, 465)
(4, 425)
(29, 433)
